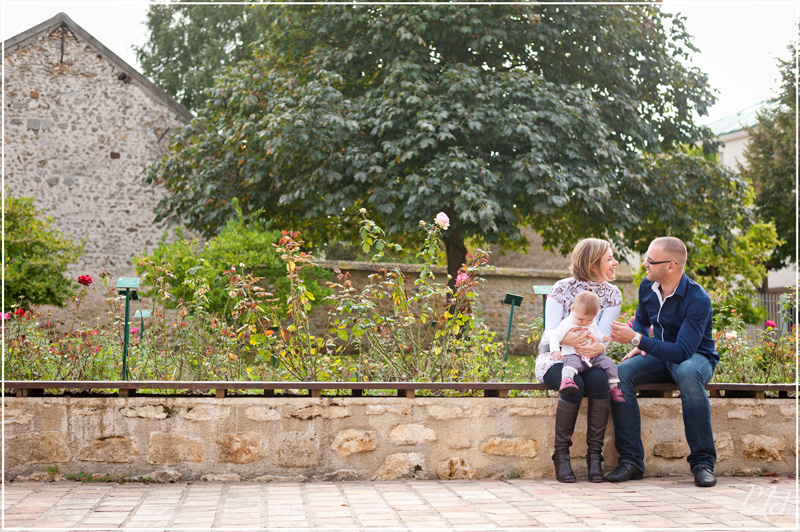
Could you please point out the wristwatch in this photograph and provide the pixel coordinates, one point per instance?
(636, 339)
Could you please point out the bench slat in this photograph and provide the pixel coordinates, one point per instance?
(221, 388)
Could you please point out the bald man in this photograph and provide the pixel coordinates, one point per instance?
(681, 350)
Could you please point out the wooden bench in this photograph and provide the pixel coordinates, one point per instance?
(356, 389)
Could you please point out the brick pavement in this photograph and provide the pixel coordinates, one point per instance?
(654, 503)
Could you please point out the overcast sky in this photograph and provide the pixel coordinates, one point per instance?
(739, 41)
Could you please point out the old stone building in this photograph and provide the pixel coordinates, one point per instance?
(80, 127)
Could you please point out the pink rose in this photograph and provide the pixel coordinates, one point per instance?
(134, 330)
(770, 323)
(442, 220)
(462, 278)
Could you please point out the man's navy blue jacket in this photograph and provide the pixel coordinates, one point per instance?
(681, 326)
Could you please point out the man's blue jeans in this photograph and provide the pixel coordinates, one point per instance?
(691, 375)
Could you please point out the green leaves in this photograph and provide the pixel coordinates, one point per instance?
(555, 117)
(37, 256)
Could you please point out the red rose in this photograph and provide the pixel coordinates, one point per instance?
(19, 312)
(85, 280)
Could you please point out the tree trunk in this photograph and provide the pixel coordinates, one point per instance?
(456, 253)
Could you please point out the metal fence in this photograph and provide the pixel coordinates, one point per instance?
(772, 303)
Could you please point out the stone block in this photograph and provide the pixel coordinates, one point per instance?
(297, 449)
(343, 475)
(445, 412)
(274, 478)
(41, 477)
(353, 441)
(746, 412)
(166, 448)
(379, 410)
(227, 477)
(17, 416)
(788, 410)
(36, 447)
(659, 410)
(724, 445)
(116, 449)
(670, 449)
(146, 412)
(239, 448)
(455, 468)
(762, 447)
(401, 466)
(166, 476)
(411, 434)
(325, 412)
(527, 411)
(206, 413)
(262, 413)
(510, 447)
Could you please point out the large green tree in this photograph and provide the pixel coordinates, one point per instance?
(771, 164)
(189, 44)
(563, 118)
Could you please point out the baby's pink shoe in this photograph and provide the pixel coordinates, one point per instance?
(568, 386)
(616, 395)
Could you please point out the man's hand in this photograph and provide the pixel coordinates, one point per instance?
(557, 355)
(620, 332)
(633, 352)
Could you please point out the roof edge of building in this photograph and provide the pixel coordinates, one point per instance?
(154, 91)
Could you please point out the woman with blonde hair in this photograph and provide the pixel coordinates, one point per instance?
(593, 266)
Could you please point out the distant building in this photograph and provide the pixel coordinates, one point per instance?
(80, 127)
(732, 132)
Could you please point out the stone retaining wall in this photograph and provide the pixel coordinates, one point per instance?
(380, 438)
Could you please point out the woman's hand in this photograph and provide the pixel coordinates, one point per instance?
(583, 341)
(590, 349)
(576, 337)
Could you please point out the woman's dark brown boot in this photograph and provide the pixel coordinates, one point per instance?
(566, 414)
(596, 421)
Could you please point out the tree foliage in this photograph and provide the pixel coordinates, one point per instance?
(188, 45)
(562, 118)
(36, 256)
(771, 158)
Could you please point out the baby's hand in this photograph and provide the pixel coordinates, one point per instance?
(606, 338)
(557, 355)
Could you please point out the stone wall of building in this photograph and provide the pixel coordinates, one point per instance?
(80, 127)
(491, 293)
(379, 438)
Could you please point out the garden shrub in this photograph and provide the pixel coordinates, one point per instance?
(399, 327)
(37, 256)
(247, 246)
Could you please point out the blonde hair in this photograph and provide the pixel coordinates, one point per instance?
(587, 253)
(673, 247)
(587, 302)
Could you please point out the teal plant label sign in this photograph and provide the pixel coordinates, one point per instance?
(128, 282)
